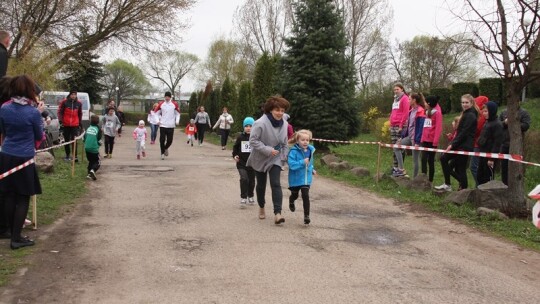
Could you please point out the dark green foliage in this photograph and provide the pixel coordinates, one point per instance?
(228, 95)
(83, 73)
(446, 98)
(193, 103)
(212, 105)
(459, 89)
(264, 80)
(492, 88)
(245, 105)
(317, 76)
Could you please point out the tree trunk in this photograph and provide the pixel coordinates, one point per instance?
(516, 203)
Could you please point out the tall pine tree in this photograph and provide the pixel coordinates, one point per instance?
(318, 77)
(245, 104)
(193, 104)
(83, 74)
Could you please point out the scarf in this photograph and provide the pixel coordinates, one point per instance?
(275, 123)
(22, 100)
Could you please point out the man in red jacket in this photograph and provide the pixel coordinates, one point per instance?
(70, 117)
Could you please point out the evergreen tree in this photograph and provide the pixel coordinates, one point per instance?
(228, 95)
(193, 104)
(264, 81)
(245, 104)
(212, 105)
(318, 77)
(83, 74)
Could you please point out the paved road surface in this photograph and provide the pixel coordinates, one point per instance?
(171, 231)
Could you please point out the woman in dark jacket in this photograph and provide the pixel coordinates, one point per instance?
(22, 126)
(464, 141)
(489, 141)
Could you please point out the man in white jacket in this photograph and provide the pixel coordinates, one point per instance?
(169, 116)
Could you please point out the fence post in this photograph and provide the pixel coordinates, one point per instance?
(378, 164)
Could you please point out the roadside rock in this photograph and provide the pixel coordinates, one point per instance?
(420, 183)
(360, 171)
(339, 166)
(460, 197)
(493, 195)
(45, 162)
(328, 159)
(482, 211)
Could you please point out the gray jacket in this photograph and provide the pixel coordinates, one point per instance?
(263, 139)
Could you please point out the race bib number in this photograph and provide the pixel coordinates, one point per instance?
(191, 129)
(109, 124)
(246, 148)
(395, 105)
(427, 123)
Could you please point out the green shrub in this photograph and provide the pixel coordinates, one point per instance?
(492, 88)
(382, 130)
(459, 89)
(446, 98)
(369, 118)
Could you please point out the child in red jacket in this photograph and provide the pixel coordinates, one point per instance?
(191, 130)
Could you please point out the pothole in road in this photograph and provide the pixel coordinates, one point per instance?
(353, 213)
(189, 245)
(374, 236)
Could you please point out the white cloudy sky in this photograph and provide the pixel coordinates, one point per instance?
(213, 18)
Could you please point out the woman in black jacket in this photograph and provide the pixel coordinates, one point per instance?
(464, 141)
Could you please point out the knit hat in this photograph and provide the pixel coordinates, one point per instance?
(248, 121)
(432, 101)
(141, 122)
(168, 94)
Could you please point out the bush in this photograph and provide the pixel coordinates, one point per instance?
(492, 88)
(369, 118)
(459, 89)
(382, 130)
(446, 98)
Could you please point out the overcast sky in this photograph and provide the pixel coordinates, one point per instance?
(211, 19)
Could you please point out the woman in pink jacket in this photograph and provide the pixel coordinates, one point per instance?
(431, 134)
(398, 117)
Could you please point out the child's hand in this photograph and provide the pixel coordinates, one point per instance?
(315, 172)
(306, 161)
(237, 158)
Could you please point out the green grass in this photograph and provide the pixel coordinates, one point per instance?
(60, 192)
(519, 231)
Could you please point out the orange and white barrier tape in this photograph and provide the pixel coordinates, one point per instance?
(19, 167)
(347, 141)
(62, 144)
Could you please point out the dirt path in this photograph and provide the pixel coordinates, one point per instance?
(171, 231)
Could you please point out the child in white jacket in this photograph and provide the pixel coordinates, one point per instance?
(139, 135)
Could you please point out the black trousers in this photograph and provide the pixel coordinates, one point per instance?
(4, 217)
(275, 185)
(224, 136)
(484, 173)
(247, 182)
(456, 166)
(109, 144)
(201, 128)
(93, 161)
(69, 134)
(428, 158)
(16, 207)
(305, 197)
(165, 138)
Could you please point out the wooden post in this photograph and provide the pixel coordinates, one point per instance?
(74, 155)
(34, 211)
(378, 164)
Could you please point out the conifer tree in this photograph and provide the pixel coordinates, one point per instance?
(245, 104)
(264, 80)
(83, 74)
(317, 76)
(193, 103)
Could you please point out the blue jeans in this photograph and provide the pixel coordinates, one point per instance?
(275, 185)
(153, 132)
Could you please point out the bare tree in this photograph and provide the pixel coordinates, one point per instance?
(367, 23)
(263, 25)
(67, 27)
(508, 35)
(170, 67)
(225, 60)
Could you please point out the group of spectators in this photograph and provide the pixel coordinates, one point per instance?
(416, 120)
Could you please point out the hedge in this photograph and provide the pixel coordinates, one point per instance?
(445, 101)
(459, 89)
(492, 88)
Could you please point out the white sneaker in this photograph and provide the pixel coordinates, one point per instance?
(243, 203)
(162, 156)
(166, 152)
(251, 201)
(444, 187)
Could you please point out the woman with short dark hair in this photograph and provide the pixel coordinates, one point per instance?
(22, 126)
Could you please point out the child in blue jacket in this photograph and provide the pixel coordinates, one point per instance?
(301, 170)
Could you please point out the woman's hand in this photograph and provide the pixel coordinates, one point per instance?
(275, 152)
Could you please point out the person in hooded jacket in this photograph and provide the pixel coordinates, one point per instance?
(480, 101)
(70, 117)
(464, 141)
(525, 123)
(489, 141)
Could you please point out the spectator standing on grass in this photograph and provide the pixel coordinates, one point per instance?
(411, 135)
(525, 122)
(398, 117)
(202, 121)
(479, 101)
(22, 126)
(92, 141)
(224, 123)
(464, 141)
(70, 117)
(489, 141)
(431, 134)
(4, 44)
(110, 125)
(168, 112)
(269, 149)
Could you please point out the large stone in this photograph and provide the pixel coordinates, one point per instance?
(493, 185)
(402, 181)
(339, 166)
(360, 171)
(328, 159)
(382, 176)
(45, 162)
(483, 211)
(420, 183)
(460, 197)
(492, 195)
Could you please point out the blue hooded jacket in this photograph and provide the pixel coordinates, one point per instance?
(299, 173)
